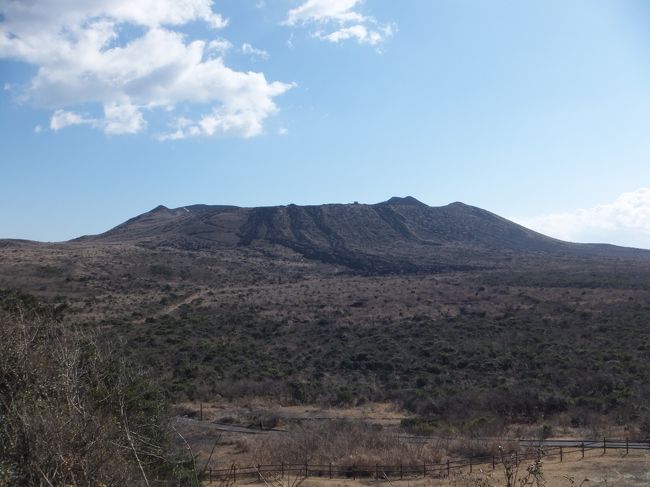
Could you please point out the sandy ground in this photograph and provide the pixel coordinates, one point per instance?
(613, 469)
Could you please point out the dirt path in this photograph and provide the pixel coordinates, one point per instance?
(170, 308)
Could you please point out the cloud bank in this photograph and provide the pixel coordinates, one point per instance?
(129, 59)
(625, 221)
(339, 20)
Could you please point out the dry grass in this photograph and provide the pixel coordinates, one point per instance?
(241, 412)
(366, 434)
(339, 442)
(596, 470)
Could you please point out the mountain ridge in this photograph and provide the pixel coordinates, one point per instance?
(401, 234)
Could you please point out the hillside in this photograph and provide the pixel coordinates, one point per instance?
(339, 304)
(398, 235)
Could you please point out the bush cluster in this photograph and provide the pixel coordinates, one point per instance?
(73, 411)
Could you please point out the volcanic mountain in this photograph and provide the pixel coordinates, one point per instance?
(397, 235)
(338, 303)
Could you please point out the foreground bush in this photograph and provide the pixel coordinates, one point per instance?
(340, 442)
(74, 412)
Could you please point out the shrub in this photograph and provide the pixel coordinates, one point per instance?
(419, 426)
(74, 412)
(340, 442)
(161, 270)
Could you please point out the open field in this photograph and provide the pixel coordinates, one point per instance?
(615, 469)
(371, 435)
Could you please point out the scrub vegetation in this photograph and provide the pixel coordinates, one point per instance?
(74, 411)
(467, 323)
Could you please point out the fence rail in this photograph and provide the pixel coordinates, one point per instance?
(535, 450)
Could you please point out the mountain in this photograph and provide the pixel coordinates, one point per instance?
(397, 235)
(343, 303)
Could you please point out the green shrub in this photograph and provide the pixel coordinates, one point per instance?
(419, 426)
(161, 270)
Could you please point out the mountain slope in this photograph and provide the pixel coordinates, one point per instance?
(344, 303)
(398, 235)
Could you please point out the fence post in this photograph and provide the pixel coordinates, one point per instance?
(604, 445)
(330, 469)
(560, 454)
(493, 463)
(259, 474)
(424, 469)
(210, 475)
(234, 473)
(306, 470)
(354, 474)
(401, 471)
(582, 445)
(282, 469)
(448, 467)
(470, 464)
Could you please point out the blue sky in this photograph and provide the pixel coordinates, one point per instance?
(538, 111)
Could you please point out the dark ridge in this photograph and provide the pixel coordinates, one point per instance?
(16, 242)
(407, 200)
(396, 221)
(398, 235)
(206, 208)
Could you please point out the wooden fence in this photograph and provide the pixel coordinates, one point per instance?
(282, 470)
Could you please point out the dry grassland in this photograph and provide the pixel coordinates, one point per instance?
(615, 469)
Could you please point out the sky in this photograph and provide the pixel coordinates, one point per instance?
(538, 111)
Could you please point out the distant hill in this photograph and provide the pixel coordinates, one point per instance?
(397, 235)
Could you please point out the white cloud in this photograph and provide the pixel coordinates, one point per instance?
(47, 16)
(360, 32)
(85, 56)
(62, 118)
(289, 42)
(123, 119)
(219, 46)
(626, 221)
(324, 11)
(246, 48)
(242, 117)
(343, 20)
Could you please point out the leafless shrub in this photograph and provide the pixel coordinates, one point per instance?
(340, 442)
(73, 412)
(530, 476)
